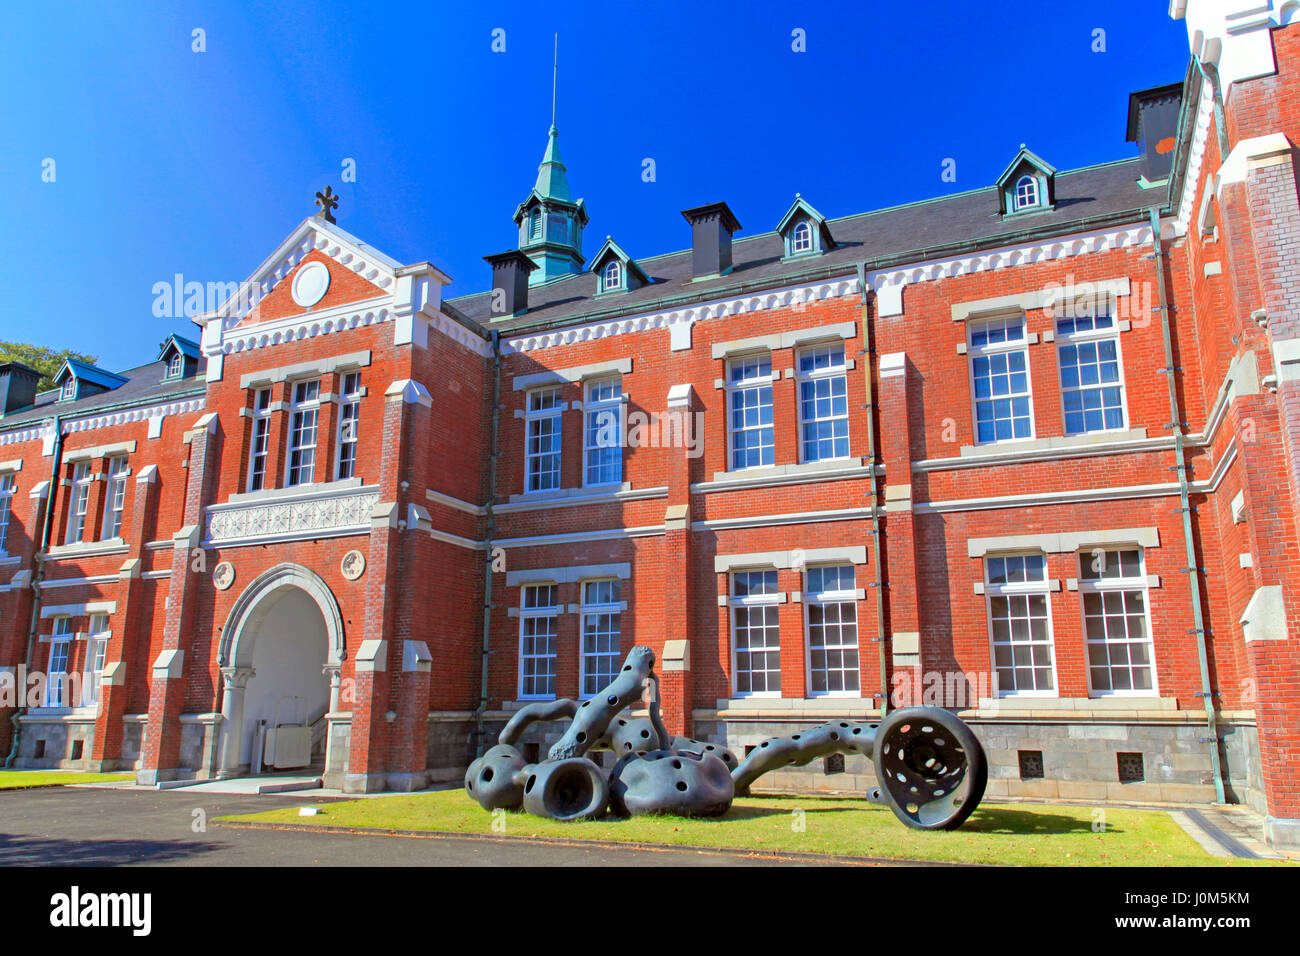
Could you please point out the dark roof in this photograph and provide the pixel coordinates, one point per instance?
(187, 347)
(949, 225)
(91, 373)
(143, 386)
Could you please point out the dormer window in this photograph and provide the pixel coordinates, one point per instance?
(69, 390)
(1026, 192)
(1026, 185)
(612, 277)
(175, 366)
(801, 239)
(805, 230)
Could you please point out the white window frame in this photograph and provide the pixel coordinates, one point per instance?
(7, 482)
(1111, 585)
(345, 455)
(600, 401)
(814, 377)
(97, 636)
(801, 238)
(842, 598)
(1028, 590)
(259, 445)
(1027, 199)
(535, 223)
(116, 473)
(527, 615)
(175, 364)
(736, 389)
(69, 391)
(748, 602)
(595, 606)
(991, 351)
(535, 413)
(79, 501)
(56, 682)
(1094, 336)
(302, 409)
(611, 277)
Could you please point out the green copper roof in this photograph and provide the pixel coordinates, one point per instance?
(552, 181)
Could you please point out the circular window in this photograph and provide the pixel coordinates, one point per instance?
(310, 283)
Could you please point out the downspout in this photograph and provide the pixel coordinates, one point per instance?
(1180, 465)
(870, 407)
(490, 532)
(38, 572)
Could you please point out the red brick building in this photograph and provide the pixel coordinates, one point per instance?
(1031, 452)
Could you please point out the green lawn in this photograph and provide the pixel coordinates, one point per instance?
(1020, 834)
(18, 779)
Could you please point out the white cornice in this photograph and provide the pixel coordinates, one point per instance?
(296, 327)
(1195, 157)
(41, 430)
(141, 413)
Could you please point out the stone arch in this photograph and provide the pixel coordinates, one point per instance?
(235, 650)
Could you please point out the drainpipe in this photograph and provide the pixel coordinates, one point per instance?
(1180, 465)
(870, 406)
(38, 572)
(490, 532)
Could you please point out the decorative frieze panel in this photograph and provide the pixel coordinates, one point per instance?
(304, 515)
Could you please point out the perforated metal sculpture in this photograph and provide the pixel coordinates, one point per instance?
(930, 767)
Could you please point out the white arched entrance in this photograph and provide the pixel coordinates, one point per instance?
(280, 653)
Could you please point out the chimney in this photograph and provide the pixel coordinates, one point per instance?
(509, 282)
(17, 387)
(711, 229)
(1153, 125)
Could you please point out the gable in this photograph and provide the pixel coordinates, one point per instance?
(341, 287)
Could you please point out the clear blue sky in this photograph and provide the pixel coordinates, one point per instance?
(170, 161)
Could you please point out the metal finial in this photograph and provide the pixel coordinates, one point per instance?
(555, 76)
(327, 201)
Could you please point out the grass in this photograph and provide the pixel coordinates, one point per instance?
(21, 779)
(1018, 835)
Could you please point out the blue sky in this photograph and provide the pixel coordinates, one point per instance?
(170, 161)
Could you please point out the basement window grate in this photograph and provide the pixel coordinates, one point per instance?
(833, 764)
(1130, 768)
(1031, 764)
(533, 753)
(77, 749)
(40, 749)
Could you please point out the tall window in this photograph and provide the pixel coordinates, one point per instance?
(535, 224)
(749, 397)
(1114, 591)
(6, 509)
(96, 654)
(612, 277)
(1000, 376)
(175, 365)
(115, 497)
(602, 433)
(801, 238)
(260, 439)
(823, 403)
(542, 451)
(1020, 623)
(755, 634)
(538, 619)
(304, 418)
(349, 412)
(1092, 394)
(601, 622)
(69, 389)
(56, 679)
(79, 501)
(1026, 192)
(832, 609)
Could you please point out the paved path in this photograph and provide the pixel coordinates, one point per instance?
(111, 827)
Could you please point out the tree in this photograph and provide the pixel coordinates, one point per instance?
(46, 361)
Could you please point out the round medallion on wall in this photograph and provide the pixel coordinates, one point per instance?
(310, 284)
(223, 575)
(353, 565)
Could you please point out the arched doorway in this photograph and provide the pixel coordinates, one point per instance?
(279, 654)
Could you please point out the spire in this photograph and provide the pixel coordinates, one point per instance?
(552, 179)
